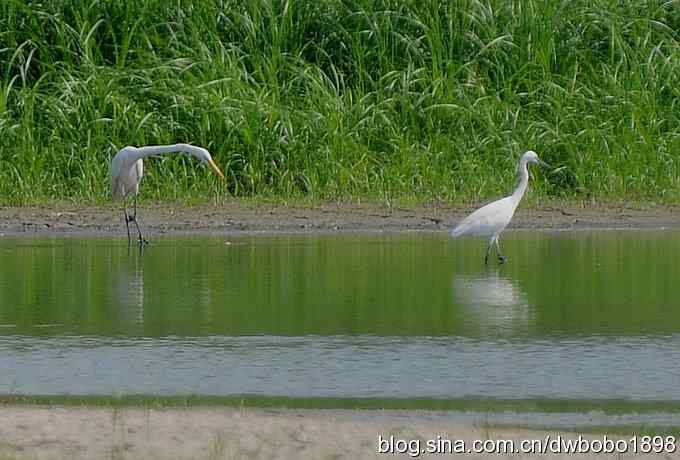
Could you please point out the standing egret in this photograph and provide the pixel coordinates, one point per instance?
(490, 220)
(126, 173)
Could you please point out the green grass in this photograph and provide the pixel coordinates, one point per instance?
(609, 407)
(413, 100)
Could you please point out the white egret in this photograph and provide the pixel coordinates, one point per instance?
(127, 168)
(490, 220)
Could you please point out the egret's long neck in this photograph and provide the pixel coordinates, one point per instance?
(523, 182)
(150, 150)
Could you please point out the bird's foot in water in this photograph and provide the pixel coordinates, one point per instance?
(502, 260)
(143, 242)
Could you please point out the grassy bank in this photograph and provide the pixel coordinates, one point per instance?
(345, 99)
(608, 407)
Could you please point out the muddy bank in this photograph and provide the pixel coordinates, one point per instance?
(237, 217)
(58, 433)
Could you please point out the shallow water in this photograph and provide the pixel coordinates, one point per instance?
(572, 316)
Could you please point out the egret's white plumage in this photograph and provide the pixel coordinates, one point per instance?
(491, 220)
(127, 168)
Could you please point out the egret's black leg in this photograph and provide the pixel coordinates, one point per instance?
(488, 251)
(501, 258)
(142, 241)
(127, 224)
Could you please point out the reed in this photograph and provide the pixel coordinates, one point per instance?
(342, 99)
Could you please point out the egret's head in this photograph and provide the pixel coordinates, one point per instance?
(532, 157)
(204, 156)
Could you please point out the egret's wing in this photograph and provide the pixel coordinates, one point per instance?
(487, 220)
(125, 172)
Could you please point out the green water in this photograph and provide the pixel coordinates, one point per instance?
(573, 316)
(570, 284)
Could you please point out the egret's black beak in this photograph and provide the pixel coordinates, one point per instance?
(544, 164)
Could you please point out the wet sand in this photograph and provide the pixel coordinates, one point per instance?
(58, 433)
(236, 216)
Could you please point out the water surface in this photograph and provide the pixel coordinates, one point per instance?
(572, 316)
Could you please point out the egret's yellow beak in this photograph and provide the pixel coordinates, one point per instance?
(215, 168)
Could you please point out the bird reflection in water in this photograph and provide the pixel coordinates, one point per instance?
(129, 291)
(491, 302)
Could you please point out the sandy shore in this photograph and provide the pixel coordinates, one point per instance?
(238, 217)
(59, 433)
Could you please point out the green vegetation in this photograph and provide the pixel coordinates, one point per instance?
(352, 99)
(608, 407)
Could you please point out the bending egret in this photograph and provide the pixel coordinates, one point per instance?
(491, 220)
(126, 173)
